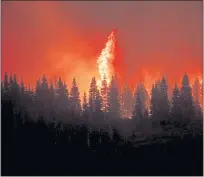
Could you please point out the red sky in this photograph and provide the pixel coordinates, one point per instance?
(65, 38)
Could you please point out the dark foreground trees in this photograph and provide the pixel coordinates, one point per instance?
(66, 142)
(39, 149)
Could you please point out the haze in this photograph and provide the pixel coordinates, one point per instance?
(65, 38)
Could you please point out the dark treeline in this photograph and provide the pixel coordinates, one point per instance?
(49, 130)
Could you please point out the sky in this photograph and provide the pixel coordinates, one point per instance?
(65, 39)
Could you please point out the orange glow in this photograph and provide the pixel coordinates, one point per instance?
(57, 43)
(193, 78)
(149, 80)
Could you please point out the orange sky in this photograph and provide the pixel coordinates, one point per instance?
(65, 38)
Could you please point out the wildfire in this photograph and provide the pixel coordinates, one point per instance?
(150, 79)
(106, 58)
(193, 78)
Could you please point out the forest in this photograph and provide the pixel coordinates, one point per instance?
(49, 130)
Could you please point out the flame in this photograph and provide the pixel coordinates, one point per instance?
(150, 79)
(193, 78)
(106, 58)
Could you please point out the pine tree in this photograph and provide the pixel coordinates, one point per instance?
(22, 95)
(117, 84)
(126, 102)
(2, 88)
(10, 81)
(38, 88)
(140, 110)
(6, 84)
(66, 95)
(75, 104)
(52, 99)
(44, 85)
(137, 110)
(98, 102)
(14, 89)
(196, 95)
(85, 103)
(154, 103)
(60, 88)
(22, 88)
(85, 107)
(159, 108)
(44, 92)
(92, 95)
(15, 83)
(38, 95)
(61, 96)
(164, 100)
(15, 94)
(175, 105)
(29, 104)
(98, 116)
(145, 96)
(52, 90)
(113, 100)
(186, 99)
(196, 91)
(104, 92)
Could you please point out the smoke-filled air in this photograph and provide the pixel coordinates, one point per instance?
(102, 88)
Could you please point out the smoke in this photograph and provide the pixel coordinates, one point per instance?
(41, 42)
(64, 39)
(76, 66)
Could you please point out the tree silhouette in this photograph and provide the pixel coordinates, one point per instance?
(75, 103)
(30, 98)
(38, 96)
(44, 85)
(176, 105)
(85, 108)
(159, 108)
(2, 88)
(113, 100)
(6, 86)
(144, 97)
(15, 89)
(98, 109)
(126, 102)
(164, 100)
(10, 81)
(140, 109)
(61, 97)
(98, 102)
(104, 92)
(187, 107)
(44, 93)
(92, 95)
(22, 87)
(66, 96)
(154, 102)
(52, 100)
(34, 145)
(197, 95)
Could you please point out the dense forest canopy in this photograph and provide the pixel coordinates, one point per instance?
(50, 122)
